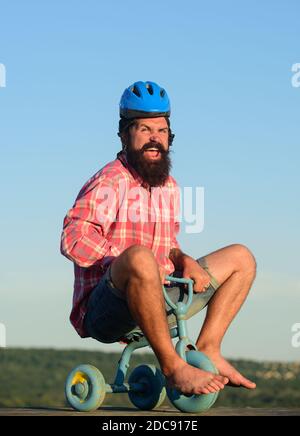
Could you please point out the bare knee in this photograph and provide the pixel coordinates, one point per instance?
(140, 261)
(244, 260)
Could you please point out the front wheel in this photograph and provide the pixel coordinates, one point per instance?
(194, 403)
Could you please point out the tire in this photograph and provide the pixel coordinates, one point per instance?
(85, 388)
(194, 403)
(155, 391)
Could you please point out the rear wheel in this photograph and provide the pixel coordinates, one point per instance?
(85, 388)
(154, 393)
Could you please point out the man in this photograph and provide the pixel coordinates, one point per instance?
(121, 263)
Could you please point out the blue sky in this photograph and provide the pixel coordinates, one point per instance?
(227, 69)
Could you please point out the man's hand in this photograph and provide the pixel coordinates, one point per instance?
(192, 270)
(162, 273)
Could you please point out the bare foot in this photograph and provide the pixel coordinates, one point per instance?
(236, 379)
(190, 380)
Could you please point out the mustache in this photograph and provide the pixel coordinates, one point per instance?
(156, 145)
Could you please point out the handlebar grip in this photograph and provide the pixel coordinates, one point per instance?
(188, 282)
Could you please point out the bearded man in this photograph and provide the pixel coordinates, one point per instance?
(121, 263)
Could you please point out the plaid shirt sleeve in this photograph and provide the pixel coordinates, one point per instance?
(83, 238)
(174, 243)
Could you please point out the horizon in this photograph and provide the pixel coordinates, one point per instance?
(138, 352)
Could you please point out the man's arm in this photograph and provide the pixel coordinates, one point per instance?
(190, 269)
(83, 237)
(178, 258)
(182, 261)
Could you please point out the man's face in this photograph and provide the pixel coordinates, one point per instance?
(148, 149)
(150, 130)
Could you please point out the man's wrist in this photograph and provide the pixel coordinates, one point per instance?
(178, 258)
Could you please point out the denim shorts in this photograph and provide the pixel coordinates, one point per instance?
(109, 320)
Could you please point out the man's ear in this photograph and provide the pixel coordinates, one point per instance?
(124, 139)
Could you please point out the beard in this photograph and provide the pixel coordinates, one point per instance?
(154, 173)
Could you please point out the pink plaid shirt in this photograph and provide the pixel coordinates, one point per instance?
(113, 211)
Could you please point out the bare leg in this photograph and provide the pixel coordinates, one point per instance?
(136, 272)
(234, 267)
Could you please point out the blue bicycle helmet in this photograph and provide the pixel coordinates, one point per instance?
(144, 100)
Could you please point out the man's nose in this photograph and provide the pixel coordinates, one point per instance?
(154, 137)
